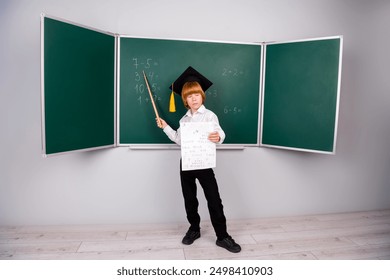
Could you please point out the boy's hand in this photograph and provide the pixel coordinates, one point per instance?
(161, 123)
(214, 137)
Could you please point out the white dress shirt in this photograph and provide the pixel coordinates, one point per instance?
(202, 115)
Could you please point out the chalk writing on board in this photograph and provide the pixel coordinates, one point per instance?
(146, 99)
(147, 65)
(197, 152)
(232, 72)
(211, 93)
(144, 63)
(140, 87)
(232, 110)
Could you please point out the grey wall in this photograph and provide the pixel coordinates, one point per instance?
(126, 186)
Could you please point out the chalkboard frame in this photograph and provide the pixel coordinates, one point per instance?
(340, 54)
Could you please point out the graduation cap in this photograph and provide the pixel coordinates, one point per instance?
(189, 75)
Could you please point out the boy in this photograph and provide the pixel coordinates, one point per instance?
(191, 85)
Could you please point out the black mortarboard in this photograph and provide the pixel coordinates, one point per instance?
(190, 75)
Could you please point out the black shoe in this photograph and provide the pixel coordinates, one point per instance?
(229, 244)
(190, 237)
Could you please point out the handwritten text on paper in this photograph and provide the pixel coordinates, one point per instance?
(197, 152)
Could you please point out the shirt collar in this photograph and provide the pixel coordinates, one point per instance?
(201, 110)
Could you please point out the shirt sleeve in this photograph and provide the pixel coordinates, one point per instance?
(173, 135)
(218, 128)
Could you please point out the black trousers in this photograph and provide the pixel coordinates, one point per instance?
(209, 184)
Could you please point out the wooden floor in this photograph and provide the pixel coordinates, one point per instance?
(362, 235)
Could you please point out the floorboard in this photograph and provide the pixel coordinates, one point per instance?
(344, 236)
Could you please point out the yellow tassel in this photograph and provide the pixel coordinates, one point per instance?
(172, 106)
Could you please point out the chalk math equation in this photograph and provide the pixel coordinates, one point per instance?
(148, 65)
(232, 72)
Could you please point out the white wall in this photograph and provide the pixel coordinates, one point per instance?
(126, 186)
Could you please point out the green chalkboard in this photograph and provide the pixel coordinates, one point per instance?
(78, 89)
(94, 94)
(234, 69)
(300, 98)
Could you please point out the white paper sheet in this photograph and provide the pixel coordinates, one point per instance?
(197, 152)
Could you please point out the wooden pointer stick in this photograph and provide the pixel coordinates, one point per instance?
(151, 98)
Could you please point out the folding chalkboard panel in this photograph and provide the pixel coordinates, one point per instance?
(233, 68)
(78, 88)
(301, 93)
